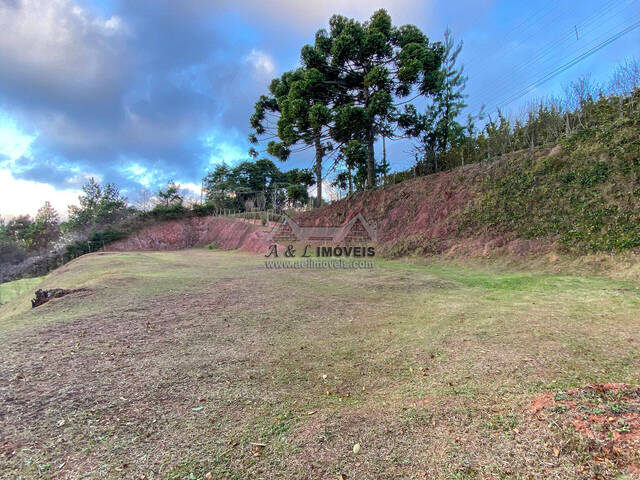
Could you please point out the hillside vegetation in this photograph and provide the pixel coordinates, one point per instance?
(586, 193)
(581, 196)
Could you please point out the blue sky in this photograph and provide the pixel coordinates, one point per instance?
(142, 91)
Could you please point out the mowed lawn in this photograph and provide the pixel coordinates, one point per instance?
(204, 364)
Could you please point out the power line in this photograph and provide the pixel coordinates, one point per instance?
(520, 27)
(547, 52)
(569, 64)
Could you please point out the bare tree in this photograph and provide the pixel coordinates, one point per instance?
(626, 78)
(145, 200)
(578, 95)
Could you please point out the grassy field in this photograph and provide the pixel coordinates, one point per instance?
(9, 290)
(203, 364)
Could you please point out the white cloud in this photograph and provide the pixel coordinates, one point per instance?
(227, 151)
(14, 143)
(57, 43)
(192, 188)
(140, 174)
(262, 62)
(18, 197)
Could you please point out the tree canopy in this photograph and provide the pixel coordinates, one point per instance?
(258, 184)
(347, 90)
(99, 204)
(301, 99)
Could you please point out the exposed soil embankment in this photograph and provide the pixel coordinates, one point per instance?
(195, 232)
(580, 198)
(422, 215)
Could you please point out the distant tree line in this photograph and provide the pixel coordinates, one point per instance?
(258, 185)
(103, 214)
(23, 235)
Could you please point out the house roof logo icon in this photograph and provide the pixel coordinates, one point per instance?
(356, 230)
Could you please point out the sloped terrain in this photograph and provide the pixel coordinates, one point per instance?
(199, 364)
(579, 197)
(195, 232)
(426, 215)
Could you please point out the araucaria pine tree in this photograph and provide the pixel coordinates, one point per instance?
(437, 128)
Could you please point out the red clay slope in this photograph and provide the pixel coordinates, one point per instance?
(195, 232)
(422, 215)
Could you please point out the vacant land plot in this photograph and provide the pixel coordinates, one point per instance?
(204, 364)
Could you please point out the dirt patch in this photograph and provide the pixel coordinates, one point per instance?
(43, 296)
(422, 216)
(196, 232)
(606, 416)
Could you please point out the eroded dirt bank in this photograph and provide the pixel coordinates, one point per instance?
(195, 232)
(422, 215)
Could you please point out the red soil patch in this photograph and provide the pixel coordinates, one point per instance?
(422, 215)
(196, 232)
(424, 206)
(608, 415)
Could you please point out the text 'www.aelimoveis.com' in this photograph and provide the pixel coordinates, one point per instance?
(319, 264)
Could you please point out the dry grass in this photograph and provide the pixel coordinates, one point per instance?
(177, 364)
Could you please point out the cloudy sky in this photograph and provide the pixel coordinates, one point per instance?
(138, 92)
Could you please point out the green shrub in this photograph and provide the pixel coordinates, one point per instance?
(95, 242)
(587, 195)
(169, 212)
(204, 209)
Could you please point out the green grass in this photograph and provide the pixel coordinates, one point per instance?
(176, 364)
(10, 290)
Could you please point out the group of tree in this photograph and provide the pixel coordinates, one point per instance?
(33, 246)
(259, 185)
(445, 143)
(584, 104)
(354, 86)
(99, 206)
(103, 213)
(23, 235)
(357, 84)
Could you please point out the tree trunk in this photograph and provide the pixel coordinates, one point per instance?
(445, 143)
(384, 158)
(350, 183)
(371, 162)
(318, 169)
